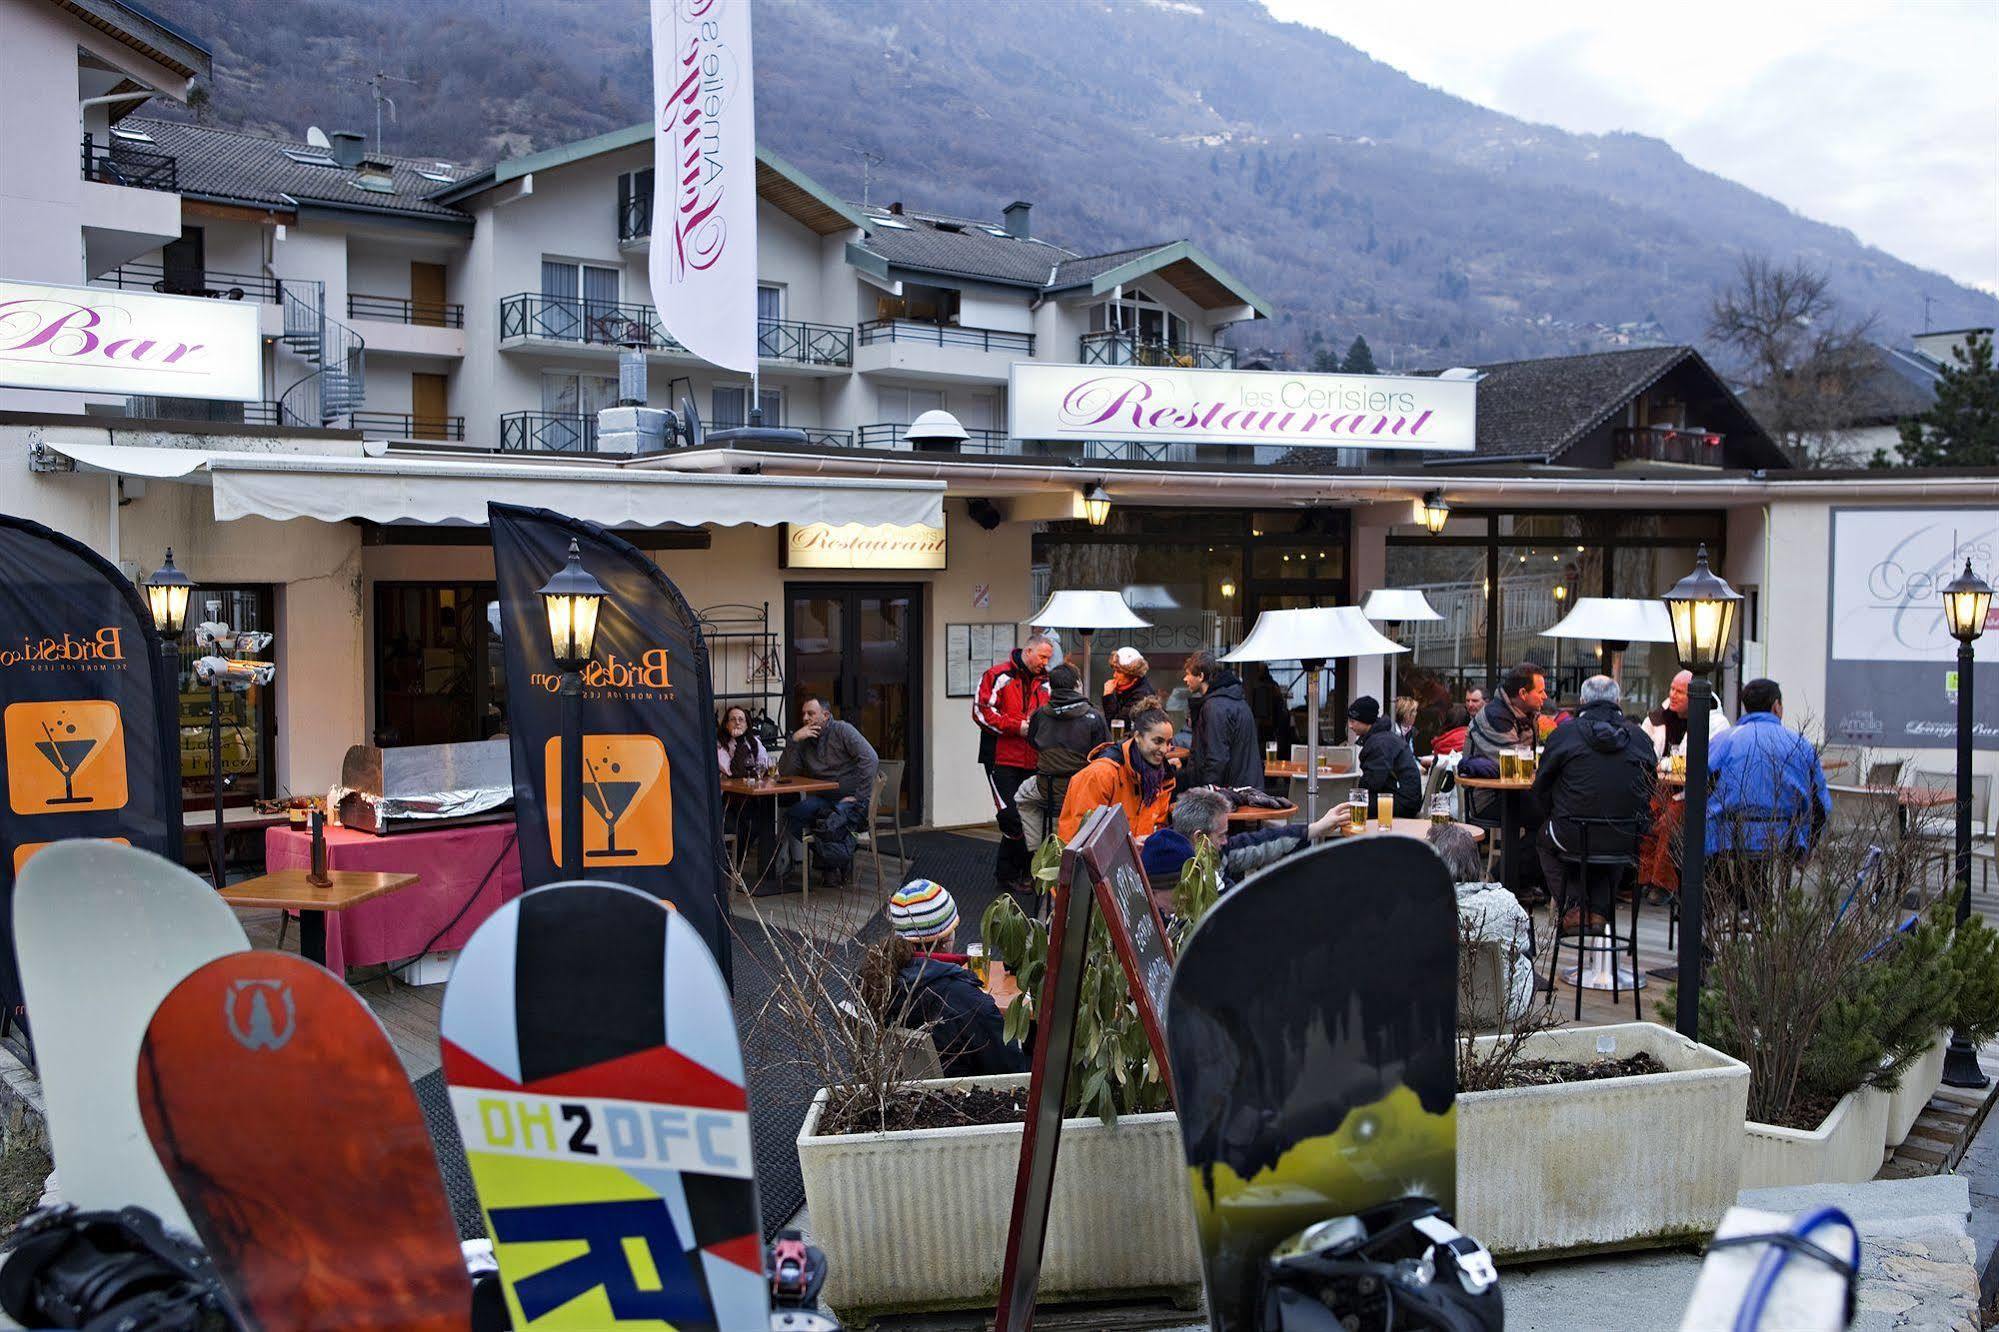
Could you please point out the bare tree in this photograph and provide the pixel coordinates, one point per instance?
(1809, 366)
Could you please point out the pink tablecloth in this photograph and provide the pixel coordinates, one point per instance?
(475, 868)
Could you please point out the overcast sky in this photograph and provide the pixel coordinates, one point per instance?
(1879, 117)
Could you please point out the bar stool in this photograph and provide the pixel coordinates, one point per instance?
(1578, 865)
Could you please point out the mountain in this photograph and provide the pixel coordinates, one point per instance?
(1355, 199)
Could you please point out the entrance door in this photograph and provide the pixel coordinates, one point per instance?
(859, 647)
(427, 294)
(184, 264)
(427, 414)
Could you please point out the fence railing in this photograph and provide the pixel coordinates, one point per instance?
(203, 409)
(1115, 347)
(803, 343)
(889, 435)
(619, 323)
(547, 432)
(121, 163)
(399, 310)
(945, 335)
(407, 425)
(208, 282)
(635, 218)
(1668, 444)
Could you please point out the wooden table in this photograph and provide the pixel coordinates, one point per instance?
(288, 890)
(241, 818)
(1000, 983)
(1286, 768)
(1247, 815)
(1510, 789)
(772, 788)
(1417, 828)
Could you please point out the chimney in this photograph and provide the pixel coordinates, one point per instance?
(347, 148)
(1016, 219)
(895, 209)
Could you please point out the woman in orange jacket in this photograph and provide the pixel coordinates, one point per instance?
(1133, 774)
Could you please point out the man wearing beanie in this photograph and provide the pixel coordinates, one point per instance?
(1387, 764)
(931, 987)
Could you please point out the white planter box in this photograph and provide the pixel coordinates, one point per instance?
(917, 1220)
(1919, 1082)
(1621, 1163)
(1844, 1149)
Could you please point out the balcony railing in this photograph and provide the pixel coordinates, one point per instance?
(397, 310)
(616, 324)
(946, 335)
(1113, 347)
(547, 432)
(1687, 445)
(889, 435)
(635, 218)
(402, 425)
(120, 163)
(208, 282)
(825, 439)
(204, 409)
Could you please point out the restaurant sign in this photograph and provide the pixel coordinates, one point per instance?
(1241, 407)
(105, 340)
(859, 546)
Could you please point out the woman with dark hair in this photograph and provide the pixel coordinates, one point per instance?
(739, 754)
(1451, 740)
(1134, 773)
(914, 978)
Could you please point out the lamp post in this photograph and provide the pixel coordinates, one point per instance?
(166, 592)
(1966, 600)
(572, 598)
(1702, 609)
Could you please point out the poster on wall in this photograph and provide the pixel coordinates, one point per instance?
(1891, 679)
(652, 795)
(87, 751)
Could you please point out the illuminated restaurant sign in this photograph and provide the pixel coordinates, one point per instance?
(105, 340)
(857, 546)
(1241, 407)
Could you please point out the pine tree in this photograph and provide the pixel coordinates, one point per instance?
(1961, 428)
(1326, 359)
(1360, 358)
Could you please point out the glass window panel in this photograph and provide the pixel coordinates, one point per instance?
(1447, 656)
(727, 405)
(770, 303)
(247, 717)
(440, 677)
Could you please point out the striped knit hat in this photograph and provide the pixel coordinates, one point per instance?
(922, 909)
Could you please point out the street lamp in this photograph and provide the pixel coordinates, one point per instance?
(1086, 612)
(572, 598)
(1702, 609)
(1435, 511)
(1966, 599)
(166, 593)
(166, 598)
(1096, 504)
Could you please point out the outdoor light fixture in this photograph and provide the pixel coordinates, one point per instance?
(1394, 607)
(1561, 593)
(166, 597)
(1435, 512)
(1086, 611)
(1702, 608)
(1228, 589)
(1966, 600)
(1096, 504)
(572, 597)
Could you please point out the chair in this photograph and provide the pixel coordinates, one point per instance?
(1841, 759)
(1342, 759)
(888, 790)
(1885, 773)
(1299, 754)
(1869, 814)
(864, 836)
(1579, 863)
(1942, 825)
(918, 1056)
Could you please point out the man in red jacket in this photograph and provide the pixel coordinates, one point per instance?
(1008, 694)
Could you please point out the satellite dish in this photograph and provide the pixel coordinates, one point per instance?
(315, 137)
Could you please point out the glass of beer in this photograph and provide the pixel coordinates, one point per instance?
(1384, 810)
(1117, 729)
(1509, 764)
(1357, 816)
(1269, 752)
(1679, 765)
(975, 962)
(1529, 760)
(1440, 808)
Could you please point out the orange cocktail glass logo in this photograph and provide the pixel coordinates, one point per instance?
(627, 800)
(64, 757)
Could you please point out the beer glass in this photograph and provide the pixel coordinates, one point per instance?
(1357, 815)
(975, 962)
(1384, 810)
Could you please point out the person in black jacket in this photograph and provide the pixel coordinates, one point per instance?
(1597, 765)
(928, 986)
(1064, 731)
(1128, 688)
(1387, 764)
(1225, 751)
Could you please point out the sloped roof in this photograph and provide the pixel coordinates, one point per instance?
(961, 247)
(234, 166)
(1539, 408)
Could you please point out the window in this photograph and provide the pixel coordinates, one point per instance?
(1142, 316)
(904, 405)
(131, 135)
(892, 223)
(770, 303)
(574, 399)
(309, 157)
(440, 677)
(635, 204)
(728, 406)
(574, 296)
(932, 305)
(249, 718)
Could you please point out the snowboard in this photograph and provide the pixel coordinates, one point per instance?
(281, 1113)
(590, 1048)
(1311, 1026)
(104, 931)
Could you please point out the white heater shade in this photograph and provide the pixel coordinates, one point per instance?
(1615, 620)
(1316, 633)
(1087, 610)
(1398, 605)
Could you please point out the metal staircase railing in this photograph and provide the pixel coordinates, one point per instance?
(338, 386)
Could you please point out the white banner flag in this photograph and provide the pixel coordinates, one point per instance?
(704, 203)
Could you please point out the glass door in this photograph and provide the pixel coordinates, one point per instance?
(858, 646)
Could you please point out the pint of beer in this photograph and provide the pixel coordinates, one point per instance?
(975, 962)
(1357, 815)
(1384, 810)
(1509, 764)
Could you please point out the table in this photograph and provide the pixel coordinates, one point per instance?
(1906, 799)
(1417, 828)
(750, 789)
(242, 818)
(291, 890)
(1510, 789)
(1246, 815)
(1286, 768)
(465, 873)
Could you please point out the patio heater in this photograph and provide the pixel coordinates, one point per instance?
(1394, 607)
(572, 598)
(1312, 637)
(1701, 607)
(1086, 612)
(1967, 599)
(1617, 623)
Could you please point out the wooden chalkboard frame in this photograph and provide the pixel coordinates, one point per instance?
(1104, 852)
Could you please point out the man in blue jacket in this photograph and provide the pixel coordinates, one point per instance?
(1767, 795)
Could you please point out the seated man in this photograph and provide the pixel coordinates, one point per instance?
(832, 751)
(1203, 813)
(1598, 767)
(929, 986)
(1133, 773)
(1064, 731)
(1767, 793)
(1666, 725)
(1387, 763)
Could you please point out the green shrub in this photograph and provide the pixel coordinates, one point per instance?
(1974, 956)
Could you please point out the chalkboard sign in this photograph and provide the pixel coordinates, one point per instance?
(1099, 868)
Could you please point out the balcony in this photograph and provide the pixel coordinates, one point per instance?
(528, 317)
(1686, 446)
(877, 331)
(635, 219)
(1114, 347)
(397, 310)
(121, 163)
(547, 432)
(889, 435)
(212, 283)
(395, 425)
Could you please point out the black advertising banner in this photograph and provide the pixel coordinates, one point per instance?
(88, 751)
(652, 795)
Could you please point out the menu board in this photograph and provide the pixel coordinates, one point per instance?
(969, 649)
(1137, 932)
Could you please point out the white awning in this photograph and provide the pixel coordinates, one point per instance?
(456, 491)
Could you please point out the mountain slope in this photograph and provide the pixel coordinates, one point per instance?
(1354, 198)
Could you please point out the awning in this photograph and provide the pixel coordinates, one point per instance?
(455, 492)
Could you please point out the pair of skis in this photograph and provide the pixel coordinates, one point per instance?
(595, 1075)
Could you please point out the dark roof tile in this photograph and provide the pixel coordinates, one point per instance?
(253, 169)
